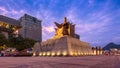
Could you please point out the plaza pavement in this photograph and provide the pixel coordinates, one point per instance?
(61, 62)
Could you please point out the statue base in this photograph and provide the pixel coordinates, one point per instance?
(64, 46)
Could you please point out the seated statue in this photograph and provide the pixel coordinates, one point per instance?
(62, 29)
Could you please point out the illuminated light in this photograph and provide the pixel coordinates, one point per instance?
(76, 54)
(40, 54)
(48, 53)
(34, 54)
(94, 52)
(58, 53)
(43, 53)
(64, 53)
(13, 50)
(14, 28)
(53, 53)
(98, 52)
(79, 53)
(7, 26)
(16, 31)
(101, 52)
(71, 53)
(82, 53)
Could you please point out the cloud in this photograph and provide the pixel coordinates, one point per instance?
(90, 2)
(95, 27)
(47, 32)
(98, 23)
(3, 10)
(95, 22)
(72, 14)
(48, 29)
(11, 12)
(46, 15)
(17, 12)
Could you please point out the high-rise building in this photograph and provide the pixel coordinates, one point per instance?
(31, 28)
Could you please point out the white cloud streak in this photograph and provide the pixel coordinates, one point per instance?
(3, 10)
(11, 12)
(49, 29)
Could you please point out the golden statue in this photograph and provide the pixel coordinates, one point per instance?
(64, 29)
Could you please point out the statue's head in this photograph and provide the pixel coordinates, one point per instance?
(65, 20)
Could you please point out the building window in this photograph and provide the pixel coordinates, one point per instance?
(34, 20)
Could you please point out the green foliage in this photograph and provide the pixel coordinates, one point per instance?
(3, 39)
(21, 43)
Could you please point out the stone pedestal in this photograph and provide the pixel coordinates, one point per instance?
(64, 46)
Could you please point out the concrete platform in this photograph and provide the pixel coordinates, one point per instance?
(61, 62)
(63, 46)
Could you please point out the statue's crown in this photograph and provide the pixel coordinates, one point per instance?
(65, 20)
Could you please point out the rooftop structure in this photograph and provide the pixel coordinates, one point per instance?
(10, 21)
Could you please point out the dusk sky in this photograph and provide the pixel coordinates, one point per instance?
(97, 21)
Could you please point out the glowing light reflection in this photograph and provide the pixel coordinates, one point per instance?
(58, 53)
(64, 53)
(53, 53)
(34, 54)
(40, 54)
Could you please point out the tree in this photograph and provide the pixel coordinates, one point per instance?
(25, 43)
(20, 43)
(3, 39)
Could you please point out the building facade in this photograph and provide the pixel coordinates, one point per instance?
(9, 26)
(31, 27)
